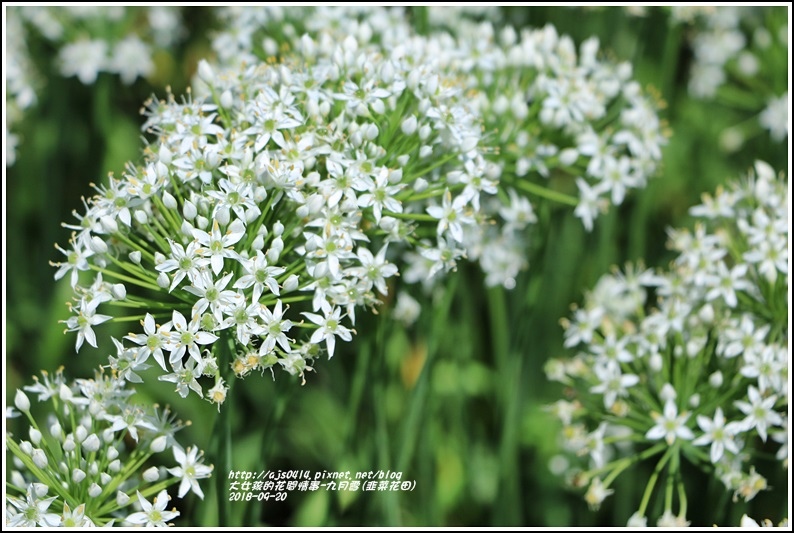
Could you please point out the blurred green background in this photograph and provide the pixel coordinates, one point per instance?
(455, 402)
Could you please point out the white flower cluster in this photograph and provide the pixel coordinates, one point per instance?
(740, 51)
(20, 81)
(289, 181)
(89, 40)
(557, 118)
(291, 187)
(97, 39)
(87, 460)
(702, 376)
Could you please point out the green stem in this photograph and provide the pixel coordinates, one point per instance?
(411, 216)
(222, 446)
(682, 498)
(543, 192)
(416, 408)
(125, 278)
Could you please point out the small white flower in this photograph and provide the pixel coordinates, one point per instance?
(760, 412)
(596, 494)
(330, 328)
(718, 434)
(670, 425)
(84, 59)
(153, 514)
(131, 58)
(31, 511)
(190, 470)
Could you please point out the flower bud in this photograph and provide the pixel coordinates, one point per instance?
(162, 280)
(17, 479)
(388, 223)
(315, 203)
(94, 490)
(158, 444)
(272, 255)
(387, 72)
(202, 222)
(68, 444)
(694, 401)
(26, 447)
(500, 105)
(186, 229)
(420, 184)
(165, 154)
(655, 362)
(97, 245)
(667, 393)
(56, 430)
(270, 46)
(259, 243)
(78, 475)
(112, 453)
(189, 210)
(396, 176)
(141, 217)
(39, 458)
(114, 466)
(105, 478)
(35, 436)
(80, 433)
(169, 201)
(22, 402)
(151, 475)
(91, 443)
(205, 72)
(223, 216)
(227, 99)
(122, 499)
(40, 489)
(291, 283)
(119, 291)
(108, 224)
(371, 132)
(408, 126)
(715, 380)
(413, 79)
(251, 214)
(569, 156)
(706, 314)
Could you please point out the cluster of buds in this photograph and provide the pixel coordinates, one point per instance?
(91, 457)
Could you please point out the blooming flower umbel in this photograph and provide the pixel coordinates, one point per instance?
(713, 355)
(84, 462)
